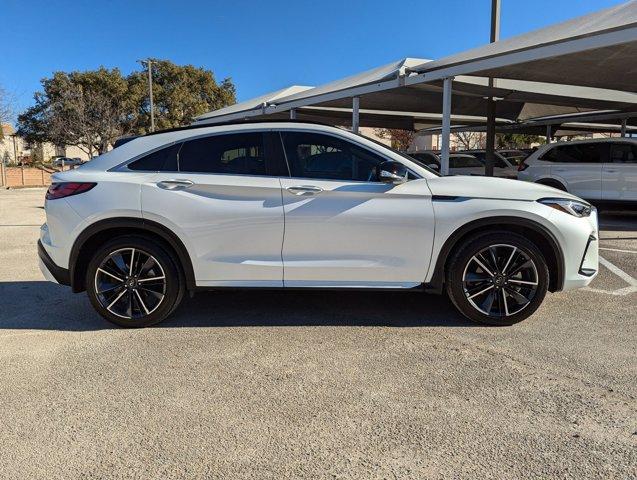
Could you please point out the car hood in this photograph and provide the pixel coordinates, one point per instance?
(491, 187)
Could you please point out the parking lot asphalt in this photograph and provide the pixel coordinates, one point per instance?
(315, 385)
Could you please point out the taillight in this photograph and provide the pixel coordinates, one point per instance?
(522, 166)
(66, 189)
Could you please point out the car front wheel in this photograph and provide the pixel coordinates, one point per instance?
(497, 278)
(134, 282)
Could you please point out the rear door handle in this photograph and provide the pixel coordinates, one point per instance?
(176, 184)
(304, 190)
(610, 170)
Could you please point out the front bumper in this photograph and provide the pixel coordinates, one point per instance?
(50, 270)
(581, 249)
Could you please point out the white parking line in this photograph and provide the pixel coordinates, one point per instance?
(618, 271)
(632, 282)
(618, 250)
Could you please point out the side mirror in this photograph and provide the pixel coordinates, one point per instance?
(392, 172)
(434, 166)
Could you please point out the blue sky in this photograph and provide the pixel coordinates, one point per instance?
(262, 45)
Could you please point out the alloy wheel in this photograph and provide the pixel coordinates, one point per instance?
(500, 280)
(130, 283)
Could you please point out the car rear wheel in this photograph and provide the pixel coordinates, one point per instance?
(497, 278)
(134, 282)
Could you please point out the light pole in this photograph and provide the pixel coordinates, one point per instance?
(149, 65)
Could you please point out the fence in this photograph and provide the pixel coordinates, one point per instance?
(24, 177)
(17, 177)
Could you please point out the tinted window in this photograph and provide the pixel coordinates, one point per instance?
(426, 158)
(164, 160)
(623, 153)
(579, 153)
(482, 156)
(312, 155)
(464, 162)
(237, 153)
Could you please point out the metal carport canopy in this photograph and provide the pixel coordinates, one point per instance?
(596, 50)
(393, 87)
(386, 101)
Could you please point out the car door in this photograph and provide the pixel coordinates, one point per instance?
(342, 227)
(222, 197)
(579, 167)
(619, 175)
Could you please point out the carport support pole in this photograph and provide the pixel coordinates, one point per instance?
(446, 125)
(356, 102)
(623, 127)
(548, 134)
(293, 114)
(489, 160)
(490, 140)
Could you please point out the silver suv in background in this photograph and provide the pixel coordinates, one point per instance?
(603, 170)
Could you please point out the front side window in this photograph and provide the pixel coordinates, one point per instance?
(623, 153)
(236, 153)
(314, 155)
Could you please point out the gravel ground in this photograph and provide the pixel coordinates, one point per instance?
(313, 385)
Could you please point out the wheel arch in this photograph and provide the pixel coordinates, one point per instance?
(552, 182)
(104, 230)
(539, 234)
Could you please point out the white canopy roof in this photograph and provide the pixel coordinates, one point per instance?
(238, 110)
(596, 50)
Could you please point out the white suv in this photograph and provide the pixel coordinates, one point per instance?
(291, 205)
(603, 170)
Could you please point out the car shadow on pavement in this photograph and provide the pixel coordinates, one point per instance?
(47, 306)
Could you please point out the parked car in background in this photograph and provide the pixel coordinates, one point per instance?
(603, 170)
(302, 205)
(513, 156)
(501, 168)
(67, 161)
(459, 163)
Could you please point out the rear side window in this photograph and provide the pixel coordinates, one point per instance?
(314, 155)
(497, 159)
(464, 162)
(164, 160)
(237, 153)
(623, 153)
(579, 153)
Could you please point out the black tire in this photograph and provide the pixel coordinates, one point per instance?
(163, 296)
(503, 284)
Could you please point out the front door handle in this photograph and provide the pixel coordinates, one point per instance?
(177, 184)
(304, 190)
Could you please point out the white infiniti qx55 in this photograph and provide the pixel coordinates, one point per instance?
(302, 205)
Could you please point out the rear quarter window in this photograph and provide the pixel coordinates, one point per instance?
(163, 160)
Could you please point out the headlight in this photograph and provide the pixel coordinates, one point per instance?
(572, 207)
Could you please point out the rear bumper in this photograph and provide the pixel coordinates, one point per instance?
(50, 270)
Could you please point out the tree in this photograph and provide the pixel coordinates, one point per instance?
(6, 110)
(400, 139)
(92, 109)
(517, 140)
(180, 93)
(470, 140)
(87, 109)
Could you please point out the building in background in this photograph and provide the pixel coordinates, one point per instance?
(14, 150)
